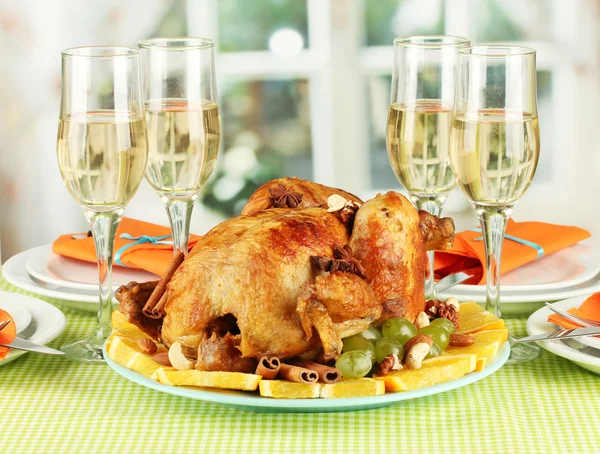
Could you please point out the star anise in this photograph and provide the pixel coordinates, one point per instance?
(342, 260)
(284, 198)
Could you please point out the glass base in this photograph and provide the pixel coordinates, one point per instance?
(520, 353)
(88, 350)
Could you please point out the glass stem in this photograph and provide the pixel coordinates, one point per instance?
(180, 215)
(493, 225)
(432, 206)
(104, 227)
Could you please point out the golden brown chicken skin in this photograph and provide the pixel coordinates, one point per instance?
(254, 268)
(388, 240)
(313, 194)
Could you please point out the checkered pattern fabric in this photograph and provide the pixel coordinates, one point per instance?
(49, 404)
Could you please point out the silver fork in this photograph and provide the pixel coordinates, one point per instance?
(574, 318)
(3, 324)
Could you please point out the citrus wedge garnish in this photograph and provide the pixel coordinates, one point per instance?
(206, 379)
(356, 387)
(120, 324)
(484, 349)
(433, 371)
(124, 351)
(282, 389)
(500, 335)
(473, 318)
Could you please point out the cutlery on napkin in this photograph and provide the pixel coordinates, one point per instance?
(9, 339)
(589, 309)
(7, 334)
(138, 244)
(524, 242)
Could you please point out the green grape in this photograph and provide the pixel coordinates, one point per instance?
(444, 323)
(434, 351)
(371, 333)
(438, 334)
(354, 364)
(399, 328)
(386, 346)
(356, 342)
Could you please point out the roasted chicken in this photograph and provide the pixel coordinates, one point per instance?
(289, 278)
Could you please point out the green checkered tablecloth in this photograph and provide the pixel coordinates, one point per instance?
(49, 404)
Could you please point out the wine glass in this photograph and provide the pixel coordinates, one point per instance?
(495, 147)
(102, 152)
(183, 124)
(420, 120)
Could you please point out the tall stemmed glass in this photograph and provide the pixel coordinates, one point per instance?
(183, 124)
(102, 154)
(495, 147)
(420, 120)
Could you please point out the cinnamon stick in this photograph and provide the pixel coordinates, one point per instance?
(327, 374)
(298, 374)
(154, 307)
(268, 368)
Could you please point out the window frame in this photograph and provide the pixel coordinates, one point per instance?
(337, 65)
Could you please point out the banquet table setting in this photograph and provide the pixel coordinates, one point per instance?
(315, 321)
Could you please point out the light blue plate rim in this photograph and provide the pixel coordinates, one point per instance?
(249, 401)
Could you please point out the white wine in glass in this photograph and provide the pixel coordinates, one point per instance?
(495, 147)
(496, 155)
(418, 137)
(183, 145)
(420, 121)
(102, 152)
(102, 157)
(184, 127)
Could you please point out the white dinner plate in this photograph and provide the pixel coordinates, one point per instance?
(561, 270)
(50, 268)
(586, 357)
(15, 273)
(47, 321)
(19, 313)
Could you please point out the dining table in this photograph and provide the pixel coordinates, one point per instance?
(50, 404)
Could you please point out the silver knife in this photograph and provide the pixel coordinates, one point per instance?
(22, 344)
(450, 281)
(563, 334)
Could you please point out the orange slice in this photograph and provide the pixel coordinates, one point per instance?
(124, 351)
(124, 328)
(473, 318)
(204, 379)
(433, 371)
(283, 389)
(357, 387)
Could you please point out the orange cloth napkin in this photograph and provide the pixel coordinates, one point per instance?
(589, 309)
(8, 334)
(468, 255)
(154, 258)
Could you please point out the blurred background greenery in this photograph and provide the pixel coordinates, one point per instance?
(266, 123)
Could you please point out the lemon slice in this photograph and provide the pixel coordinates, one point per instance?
(357, 387)
(124, 351)
(282, 389)
(204, 379)
(433, 371)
